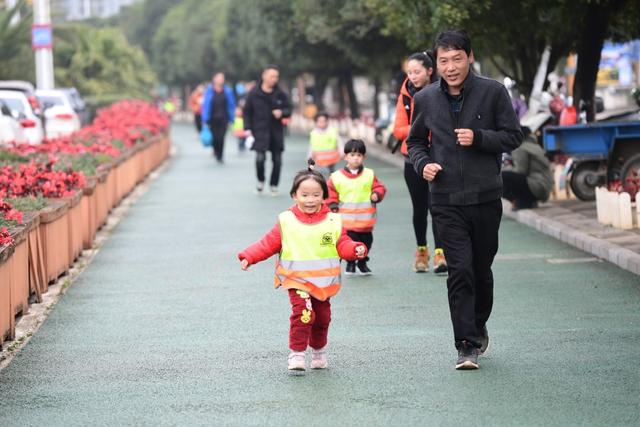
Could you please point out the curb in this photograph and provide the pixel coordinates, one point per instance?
(615, 254)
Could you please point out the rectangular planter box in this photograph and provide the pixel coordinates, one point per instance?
(19, 264)
(89, 208)
(38, 283)
(102, 198)
(76, 226)
(7, 322)
(54, 228)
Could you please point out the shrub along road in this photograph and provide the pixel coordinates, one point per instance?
(163, 328)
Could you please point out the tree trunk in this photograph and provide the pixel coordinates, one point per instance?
(321, 81)
(593, 35)
(351, 94)
(376, 93)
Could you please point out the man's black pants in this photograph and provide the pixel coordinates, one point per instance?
(469, 236)
(276, 160)
(219, 131)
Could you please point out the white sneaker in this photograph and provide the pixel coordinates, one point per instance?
(319, 358)
(259, 187)
(274, 190)
(296, 361)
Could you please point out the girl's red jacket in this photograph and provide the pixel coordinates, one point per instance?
(271, 243)
(333, 200)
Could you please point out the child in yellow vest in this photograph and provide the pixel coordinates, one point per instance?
(324, 145)
(310, 242)
(354, 192)
(238, 129)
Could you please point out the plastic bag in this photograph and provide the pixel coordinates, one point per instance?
(248, 143)
(206, 137)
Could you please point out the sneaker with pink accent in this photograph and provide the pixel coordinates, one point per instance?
(297, 361)
(319, 358)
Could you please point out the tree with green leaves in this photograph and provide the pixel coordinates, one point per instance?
(16, 56)
(99, 61)
(513, 35)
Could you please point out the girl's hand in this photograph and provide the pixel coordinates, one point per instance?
(375, 198)
(361, 250)
(244, 264)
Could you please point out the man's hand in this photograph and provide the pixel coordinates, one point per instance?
(277, 114)
(244, 264)
(430, 171)
(465, 136)
(375, 198)
(361, 250)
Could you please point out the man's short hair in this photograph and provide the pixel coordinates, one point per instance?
(271, 67)
(452, 40)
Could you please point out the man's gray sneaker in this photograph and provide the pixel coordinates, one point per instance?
(467, 356)
(484, 341)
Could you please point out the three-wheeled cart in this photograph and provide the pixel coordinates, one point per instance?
(602, 153)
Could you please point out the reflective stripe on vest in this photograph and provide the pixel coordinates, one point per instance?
(324, 147)
(355, 204)
(309, 256)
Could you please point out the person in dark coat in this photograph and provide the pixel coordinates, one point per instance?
(461, 126)
(265, 107)
(218, 111)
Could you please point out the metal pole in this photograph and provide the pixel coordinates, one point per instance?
(44, 56)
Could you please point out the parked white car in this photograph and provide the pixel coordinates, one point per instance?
(60, 119)
(10, 129)
(21, 110)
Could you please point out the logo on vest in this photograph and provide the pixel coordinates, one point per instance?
(327, 239)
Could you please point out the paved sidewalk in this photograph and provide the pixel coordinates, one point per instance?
(571, 221)
(164, 329)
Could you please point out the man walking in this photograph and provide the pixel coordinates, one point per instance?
(218, 110)
(462, 125)
(266, 105)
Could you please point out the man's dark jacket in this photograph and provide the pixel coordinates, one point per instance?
(470, 174)
(266, 129)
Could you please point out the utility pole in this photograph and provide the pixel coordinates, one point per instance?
(42, 43)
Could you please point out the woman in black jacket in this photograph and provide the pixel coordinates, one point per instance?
(266, 105)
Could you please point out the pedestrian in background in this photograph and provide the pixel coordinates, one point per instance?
(238, 129)
(218, 111)
(195, 105)
(324, 143)
(419, 74)
(460, 129)
(265, 107)
(310, 242)
(528, 179)
(354, 192)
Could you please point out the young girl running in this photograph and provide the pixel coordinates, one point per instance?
(310, 242)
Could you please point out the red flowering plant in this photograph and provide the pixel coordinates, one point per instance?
(9, 217)
(33, 179)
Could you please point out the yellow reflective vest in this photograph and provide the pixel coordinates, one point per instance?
(354, 197)
(309, 258)
(324, 147)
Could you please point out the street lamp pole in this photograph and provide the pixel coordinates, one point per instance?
(42, 41)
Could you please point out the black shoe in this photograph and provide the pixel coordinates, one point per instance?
(351, 268)
(363, 269)
(484, 341)
(467, 356)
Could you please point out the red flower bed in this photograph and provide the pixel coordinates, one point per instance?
(52, 169)
(11, 216)
(33, 179)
